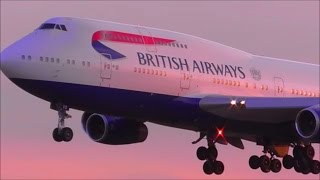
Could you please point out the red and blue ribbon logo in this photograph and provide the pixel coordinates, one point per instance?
(121, 37)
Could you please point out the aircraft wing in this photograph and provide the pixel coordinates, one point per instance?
(257, 109)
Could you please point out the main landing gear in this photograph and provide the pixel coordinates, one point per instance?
(265, 163)
(302, 161)
(209, 155)
(62, 133)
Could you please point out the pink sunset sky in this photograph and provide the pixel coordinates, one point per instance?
(282, 29)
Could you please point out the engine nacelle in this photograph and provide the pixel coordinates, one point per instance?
(84, 119)
(115, 131)
(308, 123)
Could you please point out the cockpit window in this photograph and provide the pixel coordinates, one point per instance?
(63, 27)
(58, 26)
(53, 26)
(47, 26)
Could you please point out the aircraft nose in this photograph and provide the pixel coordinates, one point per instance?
(7, 62)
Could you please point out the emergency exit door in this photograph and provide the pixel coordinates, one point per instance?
(105, 66)
(278, 86)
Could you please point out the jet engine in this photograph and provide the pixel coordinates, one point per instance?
(308, 123)
(113, 130)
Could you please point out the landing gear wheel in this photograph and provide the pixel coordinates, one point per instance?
(288, 161)
(212, 153)
(265, 163)
(67, 134)
(297, 166)
(218, 167)
(309, 152)
(306, 168)
(275, 166)
(254, 162)
(202, 153)
(298, 151)
(56, 136)
(208, 167)
(315, 167)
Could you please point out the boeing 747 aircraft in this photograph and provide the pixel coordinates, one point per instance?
(122, 76)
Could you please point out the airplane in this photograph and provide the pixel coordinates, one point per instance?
(122, 76)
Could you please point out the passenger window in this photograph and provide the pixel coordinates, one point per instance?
(73, 62)
(23, 57)
(185, 46)
(68, 61)
(88, 64)
(47, 59)
(58, 60)
(41, 58)
(52, 60)
(29, 57)
(83, 63)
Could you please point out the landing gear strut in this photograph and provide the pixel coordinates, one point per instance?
(209, 155)
(62, 133)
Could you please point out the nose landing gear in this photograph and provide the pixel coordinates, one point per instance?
(62, 133)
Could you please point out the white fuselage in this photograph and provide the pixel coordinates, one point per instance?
(152, 61)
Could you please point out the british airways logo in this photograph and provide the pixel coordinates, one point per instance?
(121, 37)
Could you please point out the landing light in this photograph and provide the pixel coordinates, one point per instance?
(233, 102)
(243, 102)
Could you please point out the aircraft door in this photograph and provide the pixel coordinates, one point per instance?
(147, 39)
(105, 66)
(278, 86)
(185, 80)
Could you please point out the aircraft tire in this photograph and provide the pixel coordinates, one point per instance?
(275, 165)
(309, 152)
(202, 153)
(67, 134)
(315, 167)
(288, 161)
(208, 167)
(218, 167)
(212, 153)
(254, 162)
(56, 136)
